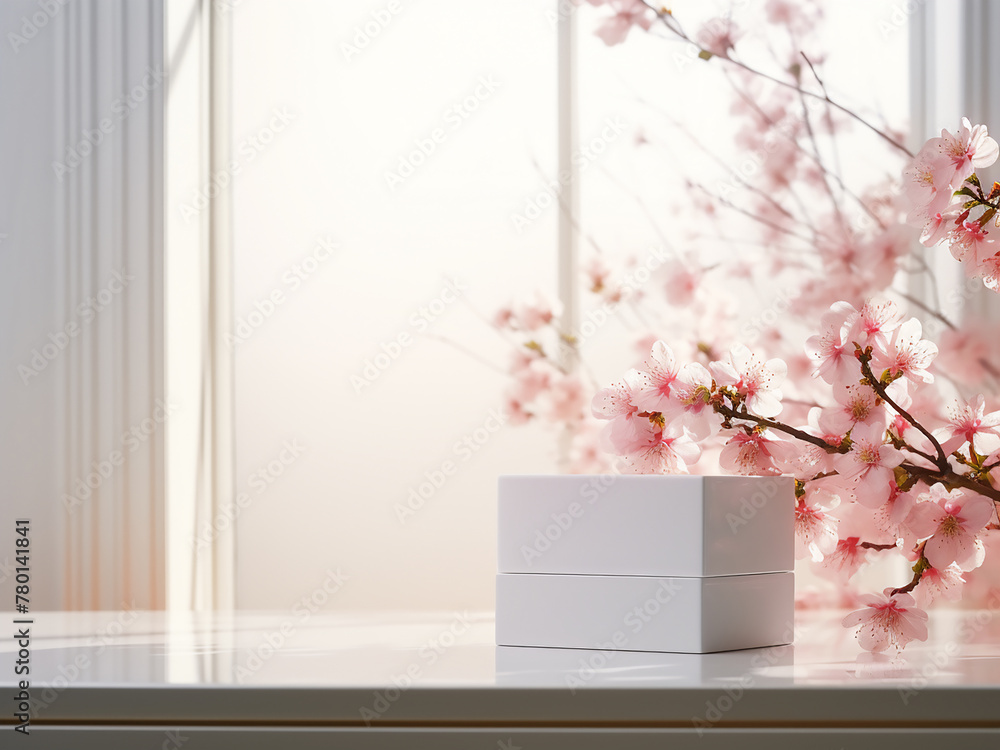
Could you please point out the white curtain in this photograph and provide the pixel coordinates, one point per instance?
(113, 409)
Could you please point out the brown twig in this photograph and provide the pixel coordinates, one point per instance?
(879, 388)
(676, 30)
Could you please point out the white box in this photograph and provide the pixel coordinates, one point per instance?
(641, 613)
(690, 526)
(573, 667)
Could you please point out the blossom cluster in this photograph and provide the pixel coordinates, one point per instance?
(831, 384)
(950, 203)
(903, 482)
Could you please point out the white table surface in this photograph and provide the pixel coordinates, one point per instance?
(428, 680)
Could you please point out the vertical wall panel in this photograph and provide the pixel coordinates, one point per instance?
(84, 200)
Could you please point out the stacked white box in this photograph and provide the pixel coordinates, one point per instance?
(649, 563)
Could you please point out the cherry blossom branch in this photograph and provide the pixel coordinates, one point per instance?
(750, 102)
(874, 546)
(824, 171)
(918, 571)
(951, 478)
(760, 219)
(833, 141)
(725, 165)
(917, 575)
(864, 357)
(662, 16)
(730, 413)
(927, 309)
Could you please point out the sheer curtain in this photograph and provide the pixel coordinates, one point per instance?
(84, 402)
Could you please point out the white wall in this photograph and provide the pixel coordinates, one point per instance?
(322, 176)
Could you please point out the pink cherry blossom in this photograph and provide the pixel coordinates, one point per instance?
(888, 621)
(815, 527)
(869, 464)
(661, 371)
(971, 243)
(503, 317)
(522, 359)
(597, 274)
(758, 382)
(937, 584)
(618, 399)
(567, 399)
(952, 520)
(856, 404)
(718, 36)
(926, 186)
(812, 459)
(934, 223)
(627, 13)
(531, 317)
(791, 15)
(845, 560)
(963, 352)
(758, 453)
(959, 154)
(890, 517)
(970, 424)
(689, 404)
(907, 354)
(990, 271)
(515, 411)
(683, 279)
(832, 353)
(531, 381)
(874, 324)
(660, 450)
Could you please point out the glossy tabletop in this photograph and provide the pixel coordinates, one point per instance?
(408, 672)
